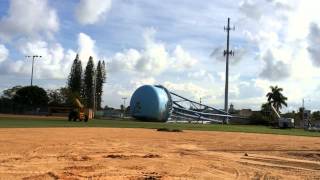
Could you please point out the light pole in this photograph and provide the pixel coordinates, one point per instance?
(124, 105)
(33, 57)
(94, 92)
(201, 98)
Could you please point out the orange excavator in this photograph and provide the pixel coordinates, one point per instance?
(79, 112)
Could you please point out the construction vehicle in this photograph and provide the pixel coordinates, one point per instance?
(79, 112)
(308, 124)
(283, 122)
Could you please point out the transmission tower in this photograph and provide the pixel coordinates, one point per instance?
(226, 53)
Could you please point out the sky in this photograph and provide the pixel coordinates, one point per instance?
(175, 43)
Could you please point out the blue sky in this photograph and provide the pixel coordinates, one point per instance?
(176, 43)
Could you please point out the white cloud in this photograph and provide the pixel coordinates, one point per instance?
(33, 47)
(142, 81)
(189, 90)
(258, 10)
(30, 18)
(201, 75)
(314, 44)
(274, 69)
(153, 59)
(124, 61)
(92, 11)
(182, 59)
(299, 22)
(4, 52)
(86, 47)
(55, 62)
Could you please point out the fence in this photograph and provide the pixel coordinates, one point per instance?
(9, 107)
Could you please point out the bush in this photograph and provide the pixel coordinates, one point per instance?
(259, 119)
(32, 96)
(169, 130)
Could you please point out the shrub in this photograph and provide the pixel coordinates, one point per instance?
(259, 119)
(32, 96)
(169, 130)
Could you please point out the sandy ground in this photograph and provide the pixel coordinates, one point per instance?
(110, 153)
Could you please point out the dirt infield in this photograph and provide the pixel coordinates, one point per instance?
(110, 153)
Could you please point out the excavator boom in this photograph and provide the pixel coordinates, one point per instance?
(275, 111)
(283, 122)
(78, 103)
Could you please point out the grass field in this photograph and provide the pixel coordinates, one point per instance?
(31, 122)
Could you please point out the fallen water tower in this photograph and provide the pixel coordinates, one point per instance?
(150, 103)
(157, 103)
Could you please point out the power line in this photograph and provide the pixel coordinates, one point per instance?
(226, 53)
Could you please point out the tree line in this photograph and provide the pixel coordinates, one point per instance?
(86, 85)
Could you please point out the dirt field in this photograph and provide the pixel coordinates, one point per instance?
(106, 153)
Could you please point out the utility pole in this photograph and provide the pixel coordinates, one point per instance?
(33, 57)
(201, 100)
(306, 125)
(94, 91)
(226, 53)
(124, 106)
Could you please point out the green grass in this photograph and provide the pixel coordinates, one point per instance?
(28, 122)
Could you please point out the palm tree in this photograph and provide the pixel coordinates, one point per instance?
(276, 98)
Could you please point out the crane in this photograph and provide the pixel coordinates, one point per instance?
(282, 121)
(79, 112)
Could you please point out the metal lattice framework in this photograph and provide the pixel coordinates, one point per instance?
(181, 108)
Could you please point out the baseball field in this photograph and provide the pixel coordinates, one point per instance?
(52, 148)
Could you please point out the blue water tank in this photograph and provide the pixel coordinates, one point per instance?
(150, 103)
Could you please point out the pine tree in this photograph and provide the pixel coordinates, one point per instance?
(75, 77)
(104, 72)
(100, 79)
(88, 83)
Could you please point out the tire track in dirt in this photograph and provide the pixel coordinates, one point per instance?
(48, 175)
(286, 163)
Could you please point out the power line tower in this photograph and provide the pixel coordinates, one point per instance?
(226, 53)
(33, 57)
